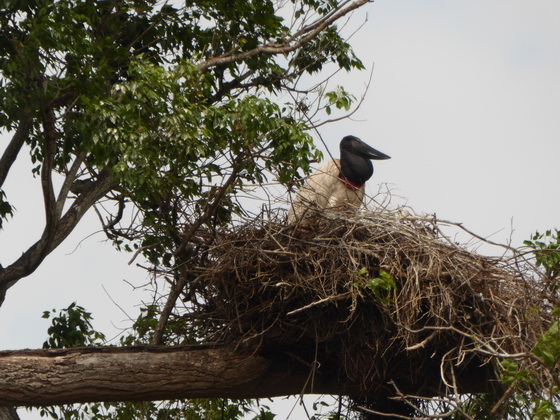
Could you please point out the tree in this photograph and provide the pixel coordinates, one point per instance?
(162, 110)
(169, 114)
(143, 103)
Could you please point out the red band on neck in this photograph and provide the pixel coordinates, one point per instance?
(349, 184)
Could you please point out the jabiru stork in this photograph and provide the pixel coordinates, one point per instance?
(339, 183)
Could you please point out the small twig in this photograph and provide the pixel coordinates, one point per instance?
(356, 108)
(318, 302)
(422, 343)
(142, 249)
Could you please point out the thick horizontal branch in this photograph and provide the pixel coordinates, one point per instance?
(62, 376)
(149, 373)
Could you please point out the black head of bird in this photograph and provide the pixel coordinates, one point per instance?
(355, 160)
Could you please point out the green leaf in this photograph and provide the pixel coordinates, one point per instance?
(511, 373)
(548, 346)
(71, 327)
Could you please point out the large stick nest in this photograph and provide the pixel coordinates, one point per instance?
(322, 293)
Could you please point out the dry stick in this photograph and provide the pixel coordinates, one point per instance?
(318, 302)
(407, 397)
(481, 238)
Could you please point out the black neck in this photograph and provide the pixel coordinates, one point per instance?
(355, 169)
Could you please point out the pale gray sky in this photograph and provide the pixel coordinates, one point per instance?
(465, 97)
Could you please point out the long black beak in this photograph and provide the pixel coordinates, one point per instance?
(369, 152)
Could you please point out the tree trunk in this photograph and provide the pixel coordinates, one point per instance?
(7, 413)
(62, 376)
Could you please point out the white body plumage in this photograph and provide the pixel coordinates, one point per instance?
(324, 189)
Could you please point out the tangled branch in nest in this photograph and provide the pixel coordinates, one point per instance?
(376, 298)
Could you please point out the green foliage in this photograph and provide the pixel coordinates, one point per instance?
(512, 373)
(123, 81)
(547, 255)
(5, 208)
(547, 251)
(338, 98)
(548, 346)
(71, 327)
(124, 87)
(380, 286)
(544, 404)
(328, 47)
(196, 409)
(477, 406)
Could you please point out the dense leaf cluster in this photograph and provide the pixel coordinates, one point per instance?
(168, 100)
(71, 327)
(160, 114)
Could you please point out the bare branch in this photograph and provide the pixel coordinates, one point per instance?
(11, 152)
(70, 178)
(34, 256)
(300, 38)
(47, 170)
(349, 114)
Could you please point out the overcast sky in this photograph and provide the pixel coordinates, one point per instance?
(465, 97)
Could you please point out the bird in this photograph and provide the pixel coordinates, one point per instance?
(339, 183)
